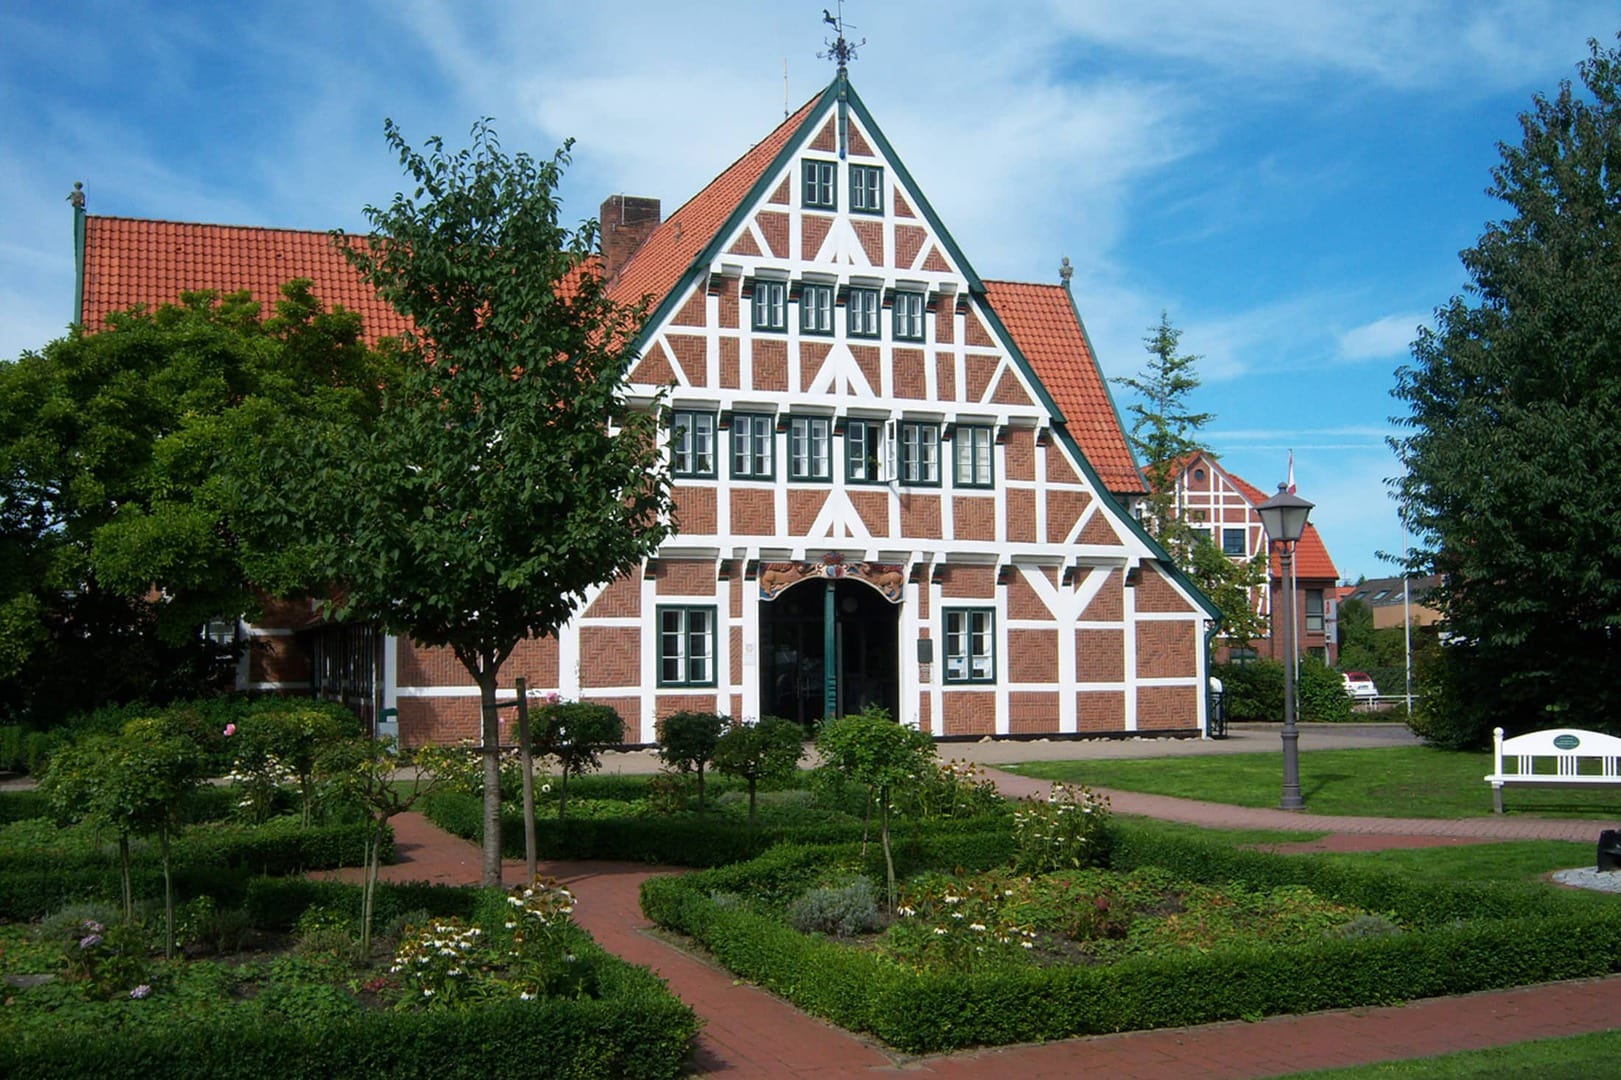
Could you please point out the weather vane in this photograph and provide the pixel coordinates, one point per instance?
(842, 49)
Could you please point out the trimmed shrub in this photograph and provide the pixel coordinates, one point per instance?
(1458, 939)
(842, 910)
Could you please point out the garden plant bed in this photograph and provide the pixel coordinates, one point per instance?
(464, 982)
(1449, 939)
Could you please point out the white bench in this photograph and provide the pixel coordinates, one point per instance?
(1567, 748)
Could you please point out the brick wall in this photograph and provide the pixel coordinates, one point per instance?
(908, 374)
(1165, 649)
(684, 577)
(1032, 711)
(753, 511)
(770, 370)
(1100, 710)
(968, 582)
(1032, 656)
(1167, 708)
(1100, 656)
(610, 656)
(1108, 605)
(803, 506)
(920, 515)
(968, 712)
(695, 509)
(1021, 514)
(974, 517)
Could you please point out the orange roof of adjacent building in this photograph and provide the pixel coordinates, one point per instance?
(1311, 554)
(131, 261)
(1046, 329)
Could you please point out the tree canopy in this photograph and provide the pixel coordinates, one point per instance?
(1164, 434)
(509, 473)
(1511, 444)
(126, 461)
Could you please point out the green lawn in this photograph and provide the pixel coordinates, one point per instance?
(1401, 781)
(1578, 1057)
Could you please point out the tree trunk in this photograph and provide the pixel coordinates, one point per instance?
(168, 895)
(527, 757)
(883, 830)
(491, 731)
(123, 874)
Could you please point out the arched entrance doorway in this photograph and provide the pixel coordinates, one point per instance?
(828, 646)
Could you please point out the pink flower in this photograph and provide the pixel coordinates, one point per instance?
(230, 729)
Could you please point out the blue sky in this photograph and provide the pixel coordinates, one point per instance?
(1291, 180)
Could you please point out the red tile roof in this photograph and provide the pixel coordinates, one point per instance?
(1311, 555)
(1047, 331)
(669, 252)
(129, 261)
(133, 261)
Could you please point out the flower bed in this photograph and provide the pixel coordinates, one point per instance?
(1198, 958)
(472, 983)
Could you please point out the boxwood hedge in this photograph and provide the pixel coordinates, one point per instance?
(636, 1028)
(1460, 939)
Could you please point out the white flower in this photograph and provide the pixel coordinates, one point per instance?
(940, 930)
(526, 996)
(427, 991)
(976, 926)
(1027, 944)
(905, 912)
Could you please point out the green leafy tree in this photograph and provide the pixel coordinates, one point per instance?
(1511, 449)
(509, 474)
(1164, 431)
(769, 749)
(687, 742)
(1164, 434)
(576, 733)
(870, 748)
(135, 783)
(128, 472)
(293, 734)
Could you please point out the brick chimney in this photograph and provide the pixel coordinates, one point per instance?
(627, 221)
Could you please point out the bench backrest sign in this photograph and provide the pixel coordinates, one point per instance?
(1515, 760)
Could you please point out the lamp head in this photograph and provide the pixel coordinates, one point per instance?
(1284, 515)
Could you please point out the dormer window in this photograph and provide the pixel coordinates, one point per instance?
(820, 185)
(866, 189)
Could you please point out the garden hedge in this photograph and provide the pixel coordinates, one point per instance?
(636, 1029)
(675, 839)
(1460, 939)
(221, 864)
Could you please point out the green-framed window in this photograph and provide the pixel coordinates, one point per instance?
(866, 189)
(971, 451)
(753, 438)
(686, 645)
(821, 186)
(692, 443)
(770, 304)
(864, 452)
(970, 640)
(809, 453)
(816, 309)
(908, 316)
(861, 309)
(918, 454)
(1232, 541)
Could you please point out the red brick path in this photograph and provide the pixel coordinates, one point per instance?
(750, 1033)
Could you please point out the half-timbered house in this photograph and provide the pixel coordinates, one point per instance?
(897, 484)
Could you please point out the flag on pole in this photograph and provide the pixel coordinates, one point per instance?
(1291, 472)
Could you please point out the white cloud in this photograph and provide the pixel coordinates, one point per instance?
(1380, 339)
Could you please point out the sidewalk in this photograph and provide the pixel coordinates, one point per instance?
(751, 1033)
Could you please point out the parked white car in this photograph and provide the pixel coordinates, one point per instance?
(1359, 686)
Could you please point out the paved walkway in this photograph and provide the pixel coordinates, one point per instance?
(750, 1033)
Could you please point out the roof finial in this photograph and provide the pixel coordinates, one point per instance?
(1065, 271)
(76, 196)
(841, 49)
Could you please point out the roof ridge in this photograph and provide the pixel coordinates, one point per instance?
(215, 225)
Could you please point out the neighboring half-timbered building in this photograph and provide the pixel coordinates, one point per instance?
(896, 484)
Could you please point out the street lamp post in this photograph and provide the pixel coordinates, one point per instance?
(1284, 518)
